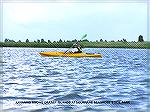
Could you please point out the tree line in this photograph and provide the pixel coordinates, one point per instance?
(140, 39)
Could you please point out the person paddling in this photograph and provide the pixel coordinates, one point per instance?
(77, 45)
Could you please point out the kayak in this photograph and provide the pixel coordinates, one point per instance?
(69, 54)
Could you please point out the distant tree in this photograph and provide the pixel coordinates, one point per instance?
(140, 38)
(96, 40)
(42, 41)
(49, 41)
(54, 41)
(27, 40)
(74, 40)
(105, 40)
(60, 40)
(19, 41)
(133, 41)
(38, 41)
(6, 40)
(118, 40)
(101, 40)
(34, 41)
(64, 41)
(85, 40)
(68, 41)
(124, 40)
(112, 41)
(12, 40)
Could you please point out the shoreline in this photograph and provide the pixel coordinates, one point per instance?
(67, 48)
(129, 45)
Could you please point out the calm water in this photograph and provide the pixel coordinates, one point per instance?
(122, 74)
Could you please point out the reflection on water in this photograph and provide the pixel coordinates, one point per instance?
(120, 75)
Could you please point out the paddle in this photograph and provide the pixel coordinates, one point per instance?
(75, 43)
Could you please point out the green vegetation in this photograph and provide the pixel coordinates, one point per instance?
(83, 44)
(118, 44)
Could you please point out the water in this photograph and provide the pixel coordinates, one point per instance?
(122, 74)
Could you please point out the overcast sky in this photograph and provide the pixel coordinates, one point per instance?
(67, 21)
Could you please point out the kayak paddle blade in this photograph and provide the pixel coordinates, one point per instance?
(84, 36)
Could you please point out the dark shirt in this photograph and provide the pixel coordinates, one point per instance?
(77, 45)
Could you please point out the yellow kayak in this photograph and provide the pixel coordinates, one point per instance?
(69, 54)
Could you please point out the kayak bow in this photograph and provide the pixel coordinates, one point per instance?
(69, 54)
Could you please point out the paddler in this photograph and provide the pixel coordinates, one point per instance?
(77, 45)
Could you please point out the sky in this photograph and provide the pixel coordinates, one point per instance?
(71, 20)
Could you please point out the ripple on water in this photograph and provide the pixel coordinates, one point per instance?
(53, 92)
(101, 76)
(71, 96)
(52, 72)
(41, 110)
(16, 98)
(88, 90)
